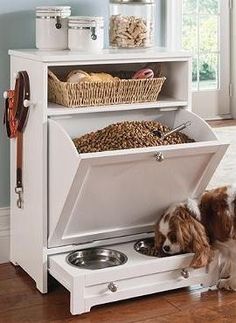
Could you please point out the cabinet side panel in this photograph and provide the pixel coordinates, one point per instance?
(29, 225)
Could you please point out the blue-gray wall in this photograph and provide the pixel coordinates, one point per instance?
(17, 31)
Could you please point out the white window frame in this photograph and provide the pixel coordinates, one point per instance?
(173, 23)
(173, 41)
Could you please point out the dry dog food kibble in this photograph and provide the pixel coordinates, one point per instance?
(127, 135)
(129, 31)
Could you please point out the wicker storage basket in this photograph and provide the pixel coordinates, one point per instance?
(84, 94)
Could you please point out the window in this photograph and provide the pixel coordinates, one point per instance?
(200, 34)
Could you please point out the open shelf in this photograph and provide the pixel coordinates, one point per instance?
(163, 102)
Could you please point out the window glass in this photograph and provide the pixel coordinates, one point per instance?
(200, 35)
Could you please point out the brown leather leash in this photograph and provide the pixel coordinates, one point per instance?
(15, 119)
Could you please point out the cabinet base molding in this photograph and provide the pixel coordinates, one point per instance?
(4, 234)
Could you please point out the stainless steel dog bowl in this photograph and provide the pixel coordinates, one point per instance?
(146, 247)
(96, 258)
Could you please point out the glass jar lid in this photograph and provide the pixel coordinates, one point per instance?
(133, 1)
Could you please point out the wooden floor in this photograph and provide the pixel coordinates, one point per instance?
(222, 123)
(21, 302)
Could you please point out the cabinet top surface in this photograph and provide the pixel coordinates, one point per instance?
(105, 55)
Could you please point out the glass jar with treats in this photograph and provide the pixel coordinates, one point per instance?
(132, 23)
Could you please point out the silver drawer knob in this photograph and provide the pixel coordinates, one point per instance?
(159, 157)
(185, 273)
(112, 287)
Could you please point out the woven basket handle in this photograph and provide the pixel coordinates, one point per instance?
(52, 76)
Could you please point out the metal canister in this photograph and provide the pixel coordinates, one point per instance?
(86, 33)
(52, 27)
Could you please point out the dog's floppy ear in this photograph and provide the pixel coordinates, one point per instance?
(180, 234)
(200, 246)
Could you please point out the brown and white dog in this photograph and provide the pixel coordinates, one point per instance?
(196, 226)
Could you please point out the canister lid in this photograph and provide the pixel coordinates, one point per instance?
(85, 21)
(133, 1)
(63, 11)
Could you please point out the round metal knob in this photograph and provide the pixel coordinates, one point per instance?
(112, 287)
(185, 273)
(159, 157)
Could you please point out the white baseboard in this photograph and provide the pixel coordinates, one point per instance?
(4, 235)
(219, 117)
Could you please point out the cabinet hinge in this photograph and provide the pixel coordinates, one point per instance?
(230, 89)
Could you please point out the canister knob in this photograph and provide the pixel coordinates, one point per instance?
(159, 157)
(112, 287)
(185, 273)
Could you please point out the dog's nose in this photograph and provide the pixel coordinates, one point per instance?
(166, 248)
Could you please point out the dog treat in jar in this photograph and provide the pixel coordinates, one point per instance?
(86, 33)
(52, 27)
(132, 23)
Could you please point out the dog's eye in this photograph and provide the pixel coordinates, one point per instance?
(172, 237)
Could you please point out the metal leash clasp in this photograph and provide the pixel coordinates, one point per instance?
(19, 192)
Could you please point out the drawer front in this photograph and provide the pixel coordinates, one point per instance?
(159, 281)
(149, 284)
